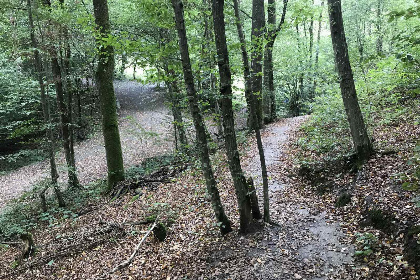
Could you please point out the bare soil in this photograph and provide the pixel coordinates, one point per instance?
(145, 131)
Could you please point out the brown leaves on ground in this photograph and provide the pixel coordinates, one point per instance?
(314, 239)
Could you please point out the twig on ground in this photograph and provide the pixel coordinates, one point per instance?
(130, 259)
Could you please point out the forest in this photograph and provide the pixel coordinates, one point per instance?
(210, 139)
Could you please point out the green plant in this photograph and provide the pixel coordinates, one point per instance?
(411, 178)
(366, 242)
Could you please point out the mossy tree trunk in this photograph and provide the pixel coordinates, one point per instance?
(104, 78)
(361, 141)
(201, 136)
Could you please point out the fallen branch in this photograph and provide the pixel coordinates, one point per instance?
(130, 259)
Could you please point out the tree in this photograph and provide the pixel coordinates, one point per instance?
(104, 79)
(201, 136)
(361, 141)
(257, 37)
(241, 187)
(45, 112)
(271, 35)
(64, 109)
(252, 106)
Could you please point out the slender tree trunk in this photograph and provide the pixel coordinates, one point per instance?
(174, 96)
(269, 101)
(64, 109)
(241, 186)
(69, 90)
(104, 79)
(258, 22)
(201, 136)
(123, 63)
(380, 38)
(318, 41)
(245, 63)
(271, 35)
(311, 64)
(361, 141)
(64, 117)
(251, 101)
(45, 112)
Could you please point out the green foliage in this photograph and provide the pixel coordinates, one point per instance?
(19, 102)
(21, 158)
(150, 165)
(366, 242)
(411, 178)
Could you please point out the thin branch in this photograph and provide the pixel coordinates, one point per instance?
(283, 15)
(130, 259)
(242, 11)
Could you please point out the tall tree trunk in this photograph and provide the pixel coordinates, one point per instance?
(241, 186)
(104, 79)
(258, 22)
(245, 63)
(380, 38)
(251, 100)
(64, 109)
(174, 96)
(271, 35)
(361, 141)
(318, 41)
(269, 101)
(201, 136)
(45, 110)
(69, 90)
(64, 117)
(311, 64)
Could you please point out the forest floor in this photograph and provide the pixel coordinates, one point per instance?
(145, 131)
(315, 240)
(308, 244)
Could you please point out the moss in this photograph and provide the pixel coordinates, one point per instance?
(381, 220)
(412, 247)
(160, 232)
(343, 199)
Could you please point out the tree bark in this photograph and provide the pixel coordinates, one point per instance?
(380, 38)
(245, 63)
(239, 180)
(311, 64)
(104, 79)
(174, 96)
(201, 136)
(272, 31)
(361, 141)
(63, 109)
(258, 22)
(45, 110)
(318, 41)
(252, 100)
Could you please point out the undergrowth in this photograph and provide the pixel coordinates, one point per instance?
(25, 213)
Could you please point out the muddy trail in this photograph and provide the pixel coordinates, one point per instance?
(309, 244)
(145, 130)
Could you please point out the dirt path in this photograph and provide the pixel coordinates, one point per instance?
(145, 129)
(309, 244)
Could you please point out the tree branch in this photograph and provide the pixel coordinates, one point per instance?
(130, 259)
